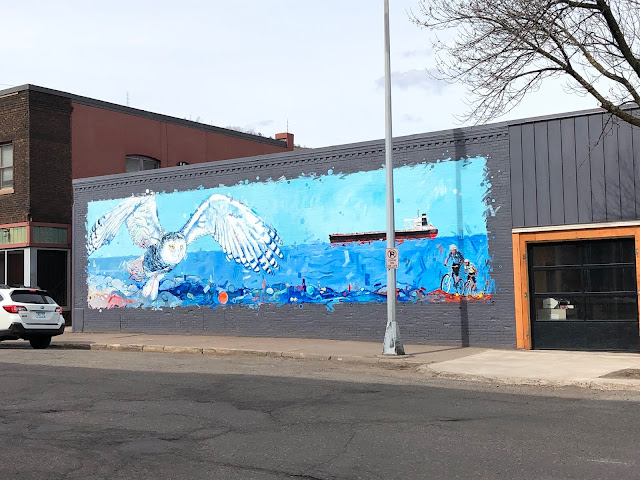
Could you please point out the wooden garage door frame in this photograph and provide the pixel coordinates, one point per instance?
(521, 238)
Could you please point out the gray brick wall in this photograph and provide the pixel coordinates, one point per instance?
(488, 323)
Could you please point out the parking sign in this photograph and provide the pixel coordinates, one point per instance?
(392, 258)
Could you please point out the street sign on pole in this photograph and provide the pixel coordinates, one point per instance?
(392, 344)
(392, 258)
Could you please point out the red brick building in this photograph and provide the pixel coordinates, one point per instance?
(48, 138)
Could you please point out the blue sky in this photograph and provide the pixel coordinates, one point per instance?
(309, 208)
(315, 68)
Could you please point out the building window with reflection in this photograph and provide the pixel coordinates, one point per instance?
(138, 163)
(6, 166)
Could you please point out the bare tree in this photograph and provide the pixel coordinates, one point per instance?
(503, 49)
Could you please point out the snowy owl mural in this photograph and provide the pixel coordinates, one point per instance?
(241, 234)
(209, 247)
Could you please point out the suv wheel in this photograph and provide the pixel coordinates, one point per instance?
(40, 342)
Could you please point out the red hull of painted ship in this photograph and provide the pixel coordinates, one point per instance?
(373, 236)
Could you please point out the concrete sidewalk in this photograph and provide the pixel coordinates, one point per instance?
(553, 368)
(336, 350)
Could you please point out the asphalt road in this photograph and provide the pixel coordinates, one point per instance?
(113, 415)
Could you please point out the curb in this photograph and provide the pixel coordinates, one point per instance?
(124, 348)
(222, 352)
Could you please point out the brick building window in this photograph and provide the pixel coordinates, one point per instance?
(137, 163)
(6, 166)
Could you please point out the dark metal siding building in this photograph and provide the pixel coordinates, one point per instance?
(576, 170)
(575, 196)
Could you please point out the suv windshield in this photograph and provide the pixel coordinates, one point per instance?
(28, 296)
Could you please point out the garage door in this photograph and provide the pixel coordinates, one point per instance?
(584, 295)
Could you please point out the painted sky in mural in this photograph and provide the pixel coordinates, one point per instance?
(304, 212)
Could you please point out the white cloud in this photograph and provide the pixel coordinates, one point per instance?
(409, 118)
(421, 52)
(416, 78)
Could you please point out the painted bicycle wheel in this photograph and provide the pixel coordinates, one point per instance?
(469, 288)
(446, 284)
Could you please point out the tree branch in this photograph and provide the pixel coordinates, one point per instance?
(503, 50)
(618, 36)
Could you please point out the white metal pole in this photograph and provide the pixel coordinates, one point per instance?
(392, 344)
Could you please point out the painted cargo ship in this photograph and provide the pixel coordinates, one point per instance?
(419, 228)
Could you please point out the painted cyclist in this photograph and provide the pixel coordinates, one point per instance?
(456, 258)
(471, 271)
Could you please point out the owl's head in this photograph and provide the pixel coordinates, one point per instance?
(173, 247)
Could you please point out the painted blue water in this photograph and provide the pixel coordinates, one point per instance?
(318, 273)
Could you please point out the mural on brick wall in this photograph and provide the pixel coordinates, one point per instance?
(318, 238)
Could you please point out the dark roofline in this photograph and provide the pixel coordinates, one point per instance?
(114, 107)
(560, 116)
(472, 129)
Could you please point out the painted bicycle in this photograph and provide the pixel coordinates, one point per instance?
(448, 284)
(470, 288)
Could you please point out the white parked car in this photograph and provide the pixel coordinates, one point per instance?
(29, 313)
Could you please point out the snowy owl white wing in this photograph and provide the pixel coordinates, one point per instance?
(143, 224)
(107, 226)
(243, 236)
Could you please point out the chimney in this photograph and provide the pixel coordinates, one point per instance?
(288, 138)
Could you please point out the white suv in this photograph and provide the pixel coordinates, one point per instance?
(29, 313)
